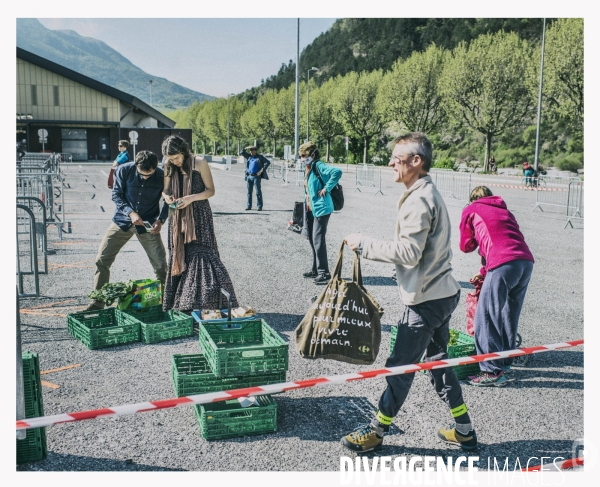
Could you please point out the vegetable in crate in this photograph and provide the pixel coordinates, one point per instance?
(112, 291)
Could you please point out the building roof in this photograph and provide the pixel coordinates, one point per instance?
(94, 84)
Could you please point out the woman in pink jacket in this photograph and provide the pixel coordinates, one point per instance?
(487, 224)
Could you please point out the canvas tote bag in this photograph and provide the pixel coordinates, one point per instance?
(344, 323)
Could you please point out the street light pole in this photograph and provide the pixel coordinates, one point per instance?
(227, 151)
(296, 132)
(150, 81)
(539, 110)
(307, 98)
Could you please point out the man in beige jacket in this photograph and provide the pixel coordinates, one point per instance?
(422, 254)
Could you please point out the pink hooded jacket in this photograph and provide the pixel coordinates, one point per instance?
(486, 223)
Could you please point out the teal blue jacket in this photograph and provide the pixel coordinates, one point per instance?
(321, 206)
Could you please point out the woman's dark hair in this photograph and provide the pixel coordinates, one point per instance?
(146, 160)
(173, 145)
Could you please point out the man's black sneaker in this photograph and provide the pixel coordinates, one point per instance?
(248, 209)
(259, 209)
(322, 279)
(311, 274)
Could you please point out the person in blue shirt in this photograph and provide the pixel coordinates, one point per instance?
(123, 156)
(256, 169)
(318, 207)
(137, 193)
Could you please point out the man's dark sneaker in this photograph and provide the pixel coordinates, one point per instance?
(248, 208)
(259, 209)
(453, 437)
(311, 274)
(322, 279)
(362, 440)
(93, 307)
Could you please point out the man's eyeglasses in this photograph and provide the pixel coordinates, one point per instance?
(398, 160)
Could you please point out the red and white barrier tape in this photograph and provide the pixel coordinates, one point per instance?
(529, 188)
(281, 387)
(565, 465)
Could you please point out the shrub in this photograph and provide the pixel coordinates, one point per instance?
(445, 162)
(572, 162)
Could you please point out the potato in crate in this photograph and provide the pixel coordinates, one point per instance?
(158, 325)
(238, 348)
(228, 419)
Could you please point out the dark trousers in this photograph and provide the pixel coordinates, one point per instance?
(254, 181)
(317, 228)
(423, 329)
(498, 311)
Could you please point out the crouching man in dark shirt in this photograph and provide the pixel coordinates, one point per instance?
(137, 192)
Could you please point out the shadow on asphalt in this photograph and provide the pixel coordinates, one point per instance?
(282, 321)
(324, 418)
(78, 463)
(379, 281)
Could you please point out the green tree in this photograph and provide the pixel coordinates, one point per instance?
(324, 125)
(259, 120)
(209, 119)
(410, 93)
(283, 112)
(485, 85)
(355, 107)
(231, 112)
(563, 71)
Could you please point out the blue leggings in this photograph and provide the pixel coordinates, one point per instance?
(498, 310)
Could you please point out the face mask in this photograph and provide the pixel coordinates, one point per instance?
(307, 160)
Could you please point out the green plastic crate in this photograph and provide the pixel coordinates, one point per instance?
(103, 328)
(464, 348)
(238, 348)
(157, 325)
(191, 374)
(228, 419)
(33, 448)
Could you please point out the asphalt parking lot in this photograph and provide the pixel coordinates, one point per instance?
(540, 412)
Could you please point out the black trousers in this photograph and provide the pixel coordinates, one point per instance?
(423, 331)
(317, 228)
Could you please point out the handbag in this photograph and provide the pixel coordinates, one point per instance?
(111, 178)
(472, 300)
(344, 323)
(337, 193)
(297, 221)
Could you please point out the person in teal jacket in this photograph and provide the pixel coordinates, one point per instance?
(319, 180)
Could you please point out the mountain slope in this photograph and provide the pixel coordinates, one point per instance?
(97, 60)
(376, 43)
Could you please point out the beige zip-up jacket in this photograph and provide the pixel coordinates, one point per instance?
(421, 249)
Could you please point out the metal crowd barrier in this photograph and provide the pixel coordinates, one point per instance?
(553, 192)
(277, 169)
(452, 184)
(50, 161)
(48, 188)
(366, 178)
(39, 209)
(27, 258)
(574, 202)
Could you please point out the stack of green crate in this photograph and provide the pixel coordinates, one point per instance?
(235, 355)
(33, 447)
(465, 347)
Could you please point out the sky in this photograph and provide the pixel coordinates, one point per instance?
(223, 55)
